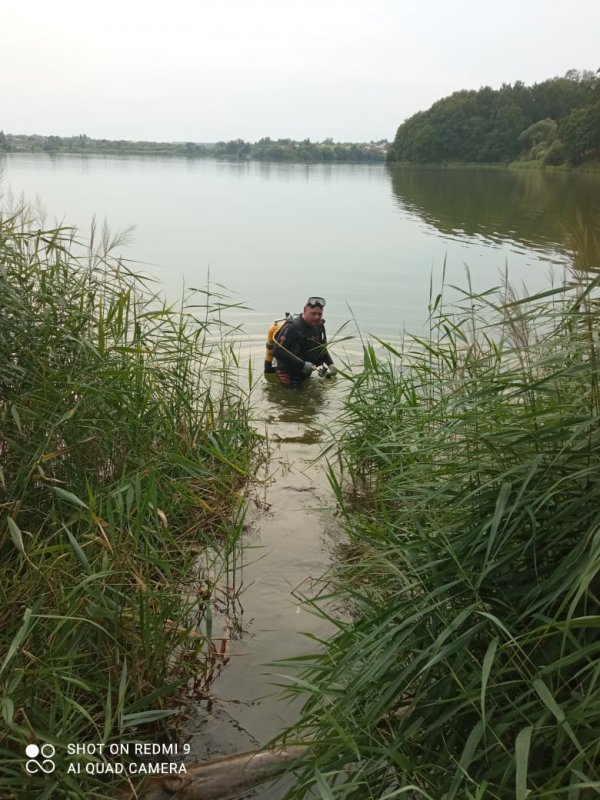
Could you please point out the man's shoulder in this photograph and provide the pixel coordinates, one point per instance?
(295, 323)
(287, 329)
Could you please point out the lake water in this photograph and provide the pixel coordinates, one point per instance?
(367, 238)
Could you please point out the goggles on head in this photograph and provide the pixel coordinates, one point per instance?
(316, 301)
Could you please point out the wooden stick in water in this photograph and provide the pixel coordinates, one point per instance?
(222, 778)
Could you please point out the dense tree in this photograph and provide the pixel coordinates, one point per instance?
(538, 138)
(580, 134)
(501, 125)
(53, 144)
(265, 149)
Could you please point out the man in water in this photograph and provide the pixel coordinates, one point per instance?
(300, 346)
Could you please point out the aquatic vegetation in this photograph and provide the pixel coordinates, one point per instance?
(124, 443)
(468, 471)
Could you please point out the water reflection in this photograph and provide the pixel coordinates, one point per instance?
(298, 407)
(532, 208)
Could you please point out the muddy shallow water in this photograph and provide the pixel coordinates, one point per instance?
(289, 542)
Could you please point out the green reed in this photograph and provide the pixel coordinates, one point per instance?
(124, 443)
(468, 665)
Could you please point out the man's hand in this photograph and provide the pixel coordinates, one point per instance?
(307, 369)
(327, 370)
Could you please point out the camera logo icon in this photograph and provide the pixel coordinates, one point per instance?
(40, 759)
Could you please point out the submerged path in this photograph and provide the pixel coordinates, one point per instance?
(290, 540)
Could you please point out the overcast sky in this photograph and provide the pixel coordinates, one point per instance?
(213, 70)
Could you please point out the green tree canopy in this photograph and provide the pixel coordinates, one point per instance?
(500, 125)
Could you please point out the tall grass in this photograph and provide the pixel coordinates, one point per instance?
(468, 478)
(124, 442)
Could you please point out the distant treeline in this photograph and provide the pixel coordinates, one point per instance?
(265, 149)
(554, 122)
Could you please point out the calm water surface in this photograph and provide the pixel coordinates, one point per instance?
(366, 237)
(370, 240)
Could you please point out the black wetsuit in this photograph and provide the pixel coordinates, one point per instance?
(295, 343)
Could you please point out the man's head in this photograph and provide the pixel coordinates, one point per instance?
(313, 311)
